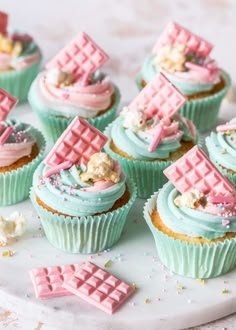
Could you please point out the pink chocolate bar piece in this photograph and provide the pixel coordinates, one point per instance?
(47, 281)
(76, 145)
(195, 170)
(226, 127)
(99, 287)
(5, 135)
(160, 97)
(7, 102)
(3, 22)
(175, 34)
(81, 56)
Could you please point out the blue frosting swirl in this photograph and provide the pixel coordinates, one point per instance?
(191, 222)
(62, 192)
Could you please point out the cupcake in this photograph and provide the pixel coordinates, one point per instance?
(185, 59)
(149, 135)
(21, 150)
(20, 60)
(80, 193)
(193, 218)
(221, 147)
(72, 86)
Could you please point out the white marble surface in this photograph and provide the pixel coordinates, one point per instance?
(126, 30)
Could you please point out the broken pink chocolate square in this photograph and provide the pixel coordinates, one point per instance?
(3, 22)
(47, 281)
(159, 97)
(76, 145)
(99, 287)
(7, 103)
(195, 170)
(175, 34)
(81, 56)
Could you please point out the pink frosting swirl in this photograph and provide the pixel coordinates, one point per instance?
(17, 145)
(85, 101)
(11, 152)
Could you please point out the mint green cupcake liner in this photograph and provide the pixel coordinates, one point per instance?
(53, 126)
(15, 185)
(203, 112)
(188, 259)
(85, 235)
(148, 175)
(18, 82)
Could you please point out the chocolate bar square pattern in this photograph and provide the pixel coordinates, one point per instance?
(159, 97)
(99, 287)
(175, 34)
(47, 281)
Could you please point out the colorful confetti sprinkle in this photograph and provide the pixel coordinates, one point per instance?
(108, 264)
(7, 253)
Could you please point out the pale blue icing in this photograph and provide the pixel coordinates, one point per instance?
(187, 221)
(149, 71)
(62, 192)
(136, 144)
(222, 148)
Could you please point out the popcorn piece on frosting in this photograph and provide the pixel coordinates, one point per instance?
(11, 227)
(133, 119)
(171, 58)
(100, 167)
(10, 46)
(191, 199)
(59, 77)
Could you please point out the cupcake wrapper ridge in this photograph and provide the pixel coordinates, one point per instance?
(85, 235)
(188, 259)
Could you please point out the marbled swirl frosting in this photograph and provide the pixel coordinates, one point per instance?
(207, 221)
(136, 143)
(188, 82)
(29, 54)
(18, 144)
(222, 148)
(74, 99)
(66, 193)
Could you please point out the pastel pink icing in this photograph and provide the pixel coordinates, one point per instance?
(18, 63)
(11, 152)
(94, 97)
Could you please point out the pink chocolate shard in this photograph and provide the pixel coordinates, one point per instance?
(195, 170)
(5, 135)
(99, 288)
(76, 145)
(226, 127)
(175, 34)
(3, 22)
(156, 139)
(81, 56)
(47, 281)
(7, 103)
(221, 199)
(160, 97)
